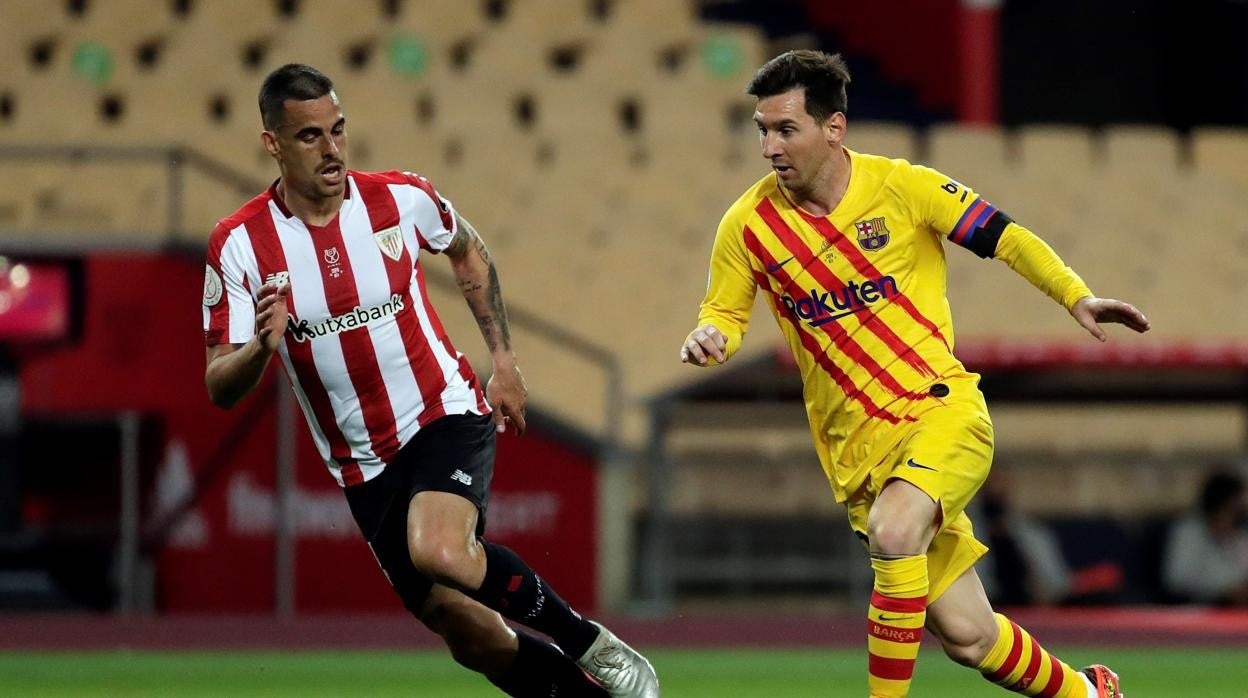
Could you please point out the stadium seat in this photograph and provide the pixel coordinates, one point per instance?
(1146, 155)
(975, 156)
(1221, 153)
(892, 140)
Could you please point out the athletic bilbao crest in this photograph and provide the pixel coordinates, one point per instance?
(390, 242)
(872, 234)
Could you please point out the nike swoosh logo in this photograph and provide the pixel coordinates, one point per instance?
(912, 464)
(888, 618)
(776, 267)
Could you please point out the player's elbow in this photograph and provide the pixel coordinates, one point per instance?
(217, 393)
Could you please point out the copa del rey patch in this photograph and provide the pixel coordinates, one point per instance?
(390, 242)
(212, 286)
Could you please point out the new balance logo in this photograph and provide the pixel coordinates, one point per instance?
(461, 476)
(279, 278)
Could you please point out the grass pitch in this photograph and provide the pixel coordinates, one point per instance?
(1163, 672)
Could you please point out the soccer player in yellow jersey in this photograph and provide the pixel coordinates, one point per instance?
(847, 248)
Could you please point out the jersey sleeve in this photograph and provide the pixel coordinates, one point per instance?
(730, 286)
(229, 310)
(434, 215)
(955, 211)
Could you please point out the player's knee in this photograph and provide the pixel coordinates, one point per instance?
(440, 560)
(895, 536)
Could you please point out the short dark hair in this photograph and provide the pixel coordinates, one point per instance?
(291, 81)
(823, 75)
(1221, 487)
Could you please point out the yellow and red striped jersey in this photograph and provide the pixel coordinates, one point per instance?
(859, 294)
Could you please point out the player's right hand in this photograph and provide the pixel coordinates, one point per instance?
(703, 343)
(271, 315)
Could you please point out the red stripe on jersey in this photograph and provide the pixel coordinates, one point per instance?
(864, 266)
(823, 273)
(1011, 660)
(465, 368)
(889, 668)
(351, 474)
(898, 604)
(813, 347)
(219, 314)
(343, 297)
(270, 259)
(383, 213)
(892, 633)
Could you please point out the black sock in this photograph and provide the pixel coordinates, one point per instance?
(514, 590)
(540, 670)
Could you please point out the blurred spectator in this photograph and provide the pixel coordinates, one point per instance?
(1024, 564)
(1207, 553)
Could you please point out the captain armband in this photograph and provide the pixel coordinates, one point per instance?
(980, 228)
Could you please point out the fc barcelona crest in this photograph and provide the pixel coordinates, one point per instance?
(390, 242)
(872, 234)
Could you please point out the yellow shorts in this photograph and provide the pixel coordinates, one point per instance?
(947, 453)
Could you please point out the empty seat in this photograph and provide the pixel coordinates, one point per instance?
(1221, 153)
(891, 140)
(975, 156)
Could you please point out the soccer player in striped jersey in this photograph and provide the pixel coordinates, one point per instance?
(847, 249)
(324, 270)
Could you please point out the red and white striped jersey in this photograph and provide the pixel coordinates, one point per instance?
(365, 352)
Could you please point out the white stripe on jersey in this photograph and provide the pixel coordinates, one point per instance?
(238, 252)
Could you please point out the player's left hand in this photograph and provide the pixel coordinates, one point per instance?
(1089, 311)
(507, 396)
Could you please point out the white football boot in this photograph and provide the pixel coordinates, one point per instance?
(621, 670)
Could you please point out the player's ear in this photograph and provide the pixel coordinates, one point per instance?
(834, 129)
(269, 140)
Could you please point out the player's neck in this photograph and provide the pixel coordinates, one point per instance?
(829, 187)
(317, 211)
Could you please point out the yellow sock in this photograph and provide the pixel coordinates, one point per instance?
(1018, 663)
(895, 623)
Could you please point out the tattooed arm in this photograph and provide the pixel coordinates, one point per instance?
(478, 281)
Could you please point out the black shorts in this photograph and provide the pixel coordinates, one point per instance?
(453, 454)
